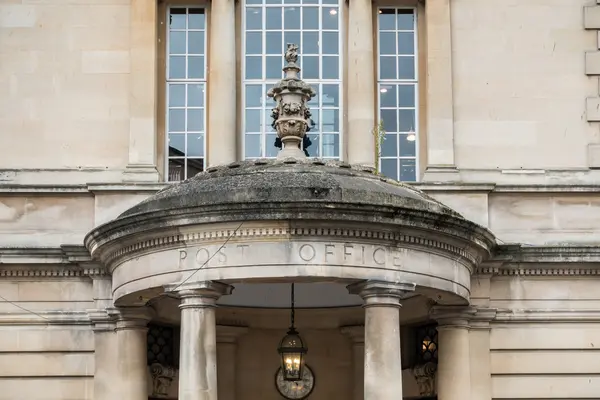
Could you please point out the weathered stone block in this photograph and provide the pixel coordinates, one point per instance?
(591, 17)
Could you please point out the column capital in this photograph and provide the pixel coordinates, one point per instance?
(381, 293)
(230, 334)
(356, 333)
(103, 319)
(133, 317)
(452, 316)
(482, 318)
(199, 294)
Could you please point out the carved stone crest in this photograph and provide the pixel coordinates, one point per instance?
(425, 377)
(162, 377)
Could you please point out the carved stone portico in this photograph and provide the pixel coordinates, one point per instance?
(291, 219)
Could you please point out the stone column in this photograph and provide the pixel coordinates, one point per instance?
(357, 335)
(383, 361)
(361, 90)
(198, 356)
(222, 101)
(132, 347)
(227, 337)
(142, 92)
(453, 372)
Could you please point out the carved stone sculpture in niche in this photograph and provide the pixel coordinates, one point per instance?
(425, 377)
(162, 377)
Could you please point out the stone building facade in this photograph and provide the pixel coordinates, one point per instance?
(475, 279)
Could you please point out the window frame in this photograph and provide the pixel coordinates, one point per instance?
(185, 82)
(416, 82)
(315, 83)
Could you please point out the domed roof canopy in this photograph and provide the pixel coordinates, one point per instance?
(291, 207)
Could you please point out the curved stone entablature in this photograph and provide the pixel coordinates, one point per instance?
(290, 219)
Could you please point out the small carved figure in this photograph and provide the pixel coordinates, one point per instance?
(291, 54)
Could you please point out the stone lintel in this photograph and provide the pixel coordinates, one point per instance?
(230, 334)
(133, 317)
(356, 333)
(381, 293)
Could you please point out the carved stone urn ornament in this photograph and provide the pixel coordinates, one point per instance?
(291, 116)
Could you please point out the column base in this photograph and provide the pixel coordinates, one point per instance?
(141, 173)
(441, 173)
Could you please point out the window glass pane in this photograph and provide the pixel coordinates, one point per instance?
(389, 119)
(196, 42)
(330, 17)
(176, 144)
(389, 145)
(406, 95)
(291, 18)
(254, 94)
(408, 170)
(387, 67)
(177, 120)
(195, 67)
(387, 19)
(407, 145)
(252, 121)
(252, 146)
(331, 68)
(330, 43)
(389, 167)
(254, 43)
(406, 68)
(274, 43)
(177, 17)
(196, 19)
(331, 95)
(310, 67)
(254, 18)
(195, 145)
(406, 19)
(406, 43)
(406, 120)
(387, 43)
(274, 18)
(195, 120)
(310, 18)
(195, 95)
(387, 96)
(177, 42)
(253, 67)
(310, 43)
(176, 95)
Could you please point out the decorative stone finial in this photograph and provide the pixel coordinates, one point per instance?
(291, 116)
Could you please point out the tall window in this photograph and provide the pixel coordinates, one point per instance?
(314, 25)
(186, 61)
(397, 84)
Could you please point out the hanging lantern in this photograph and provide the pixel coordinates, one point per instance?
(292, 350)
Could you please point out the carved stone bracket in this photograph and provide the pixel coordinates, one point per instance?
(425, 377)
(162, 377)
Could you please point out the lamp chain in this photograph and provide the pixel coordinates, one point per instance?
(293, 309)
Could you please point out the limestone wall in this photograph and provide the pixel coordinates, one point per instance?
(520, 85)
(49, 354)
(545, 339)
(64, 80)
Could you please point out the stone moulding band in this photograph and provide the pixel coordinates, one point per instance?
(193, 238)
(508, 260)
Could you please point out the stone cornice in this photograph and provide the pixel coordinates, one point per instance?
(507, 260)
(61, 262)
(546, 316)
